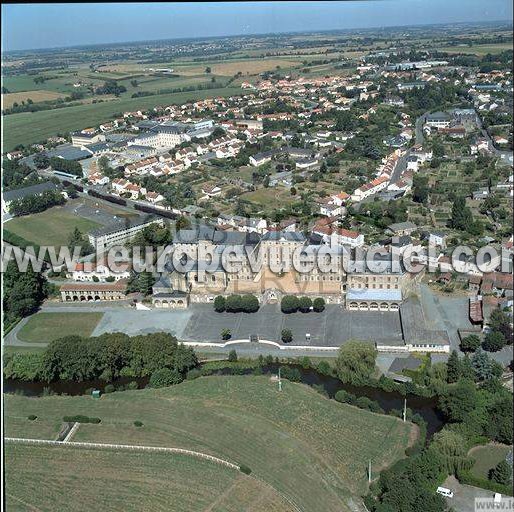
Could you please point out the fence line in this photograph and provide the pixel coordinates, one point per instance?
(129, 447)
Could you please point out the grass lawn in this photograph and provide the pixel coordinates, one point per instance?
(487, 457)
(51, 227)
(311, 449)
(54, 478)
(272, 196)
(30, 127)
(45, 327)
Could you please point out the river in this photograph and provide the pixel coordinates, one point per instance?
(425, 407)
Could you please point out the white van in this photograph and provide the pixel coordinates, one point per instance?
(497, 497)
(443, 491)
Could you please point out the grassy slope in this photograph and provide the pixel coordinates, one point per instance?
(45, 327)
(51, 227)
(49, 479)
(28, 127)
(312, 449)
(487, 457)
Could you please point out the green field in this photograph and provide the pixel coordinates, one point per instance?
(313, 450)
(477, 49)
(30, 127)
(54, 478)
(51, 227)
(487, 457)
(45, 327)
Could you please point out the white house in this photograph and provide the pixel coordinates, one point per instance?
(369, 189)
(341, 236)
(154, 197)
(437, 239)
(100, 272)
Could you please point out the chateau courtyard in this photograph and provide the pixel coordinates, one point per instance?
(200, 322)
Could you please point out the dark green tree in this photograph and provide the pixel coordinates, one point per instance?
(494, 341)
(318, 304)
(459, 400)
(453, 367)
(287, 336)
(502, 473)
(470, 343)
(305, 304)
(289, 304)
(219, 304)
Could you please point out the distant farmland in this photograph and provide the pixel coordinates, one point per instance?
(478, 49)
(36, 96)
(30, 127)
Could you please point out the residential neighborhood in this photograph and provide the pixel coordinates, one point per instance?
(259, 269)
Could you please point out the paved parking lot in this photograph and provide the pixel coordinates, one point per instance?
(201, 323)
(464, 497)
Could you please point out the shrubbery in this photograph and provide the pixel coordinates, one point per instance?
(79, 418)
(292, 304)
(236, 303)
(362, 402)
(32, 417)
(245, 469)
(165, 377)
(292, 374)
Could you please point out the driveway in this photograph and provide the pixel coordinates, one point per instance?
(464, 497)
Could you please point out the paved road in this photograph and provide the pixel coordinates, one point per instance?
(400, 168)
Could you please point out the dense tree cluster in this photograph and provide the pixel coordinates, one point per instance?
(23, 292)
(236, 303)
(115, 355)
(111, 87)
(292, 304)
(36, 203)
(355, 362)
(68, 166)
(17, 175)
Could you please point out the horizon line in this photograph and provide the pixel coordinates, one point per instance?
(262, 34)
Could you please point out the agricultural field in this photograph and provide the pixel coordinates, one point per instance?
(46, 327)
(231, 67)
(478, 49)
(62, 83)
(487, 457)
(36, 96)
(311, 449)
(51, 227)
(44, 478)
(30, 127)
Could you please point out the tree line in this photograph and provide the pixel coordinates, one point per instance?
(105, 357)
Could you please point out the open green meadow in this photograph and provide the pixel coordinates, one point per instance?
(487, 457)
(313, 450)
(30, 127)
(45, 327)
(51, 227)
(53, 478)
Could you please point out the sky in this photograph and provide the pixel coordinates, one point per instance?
(31, 26)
